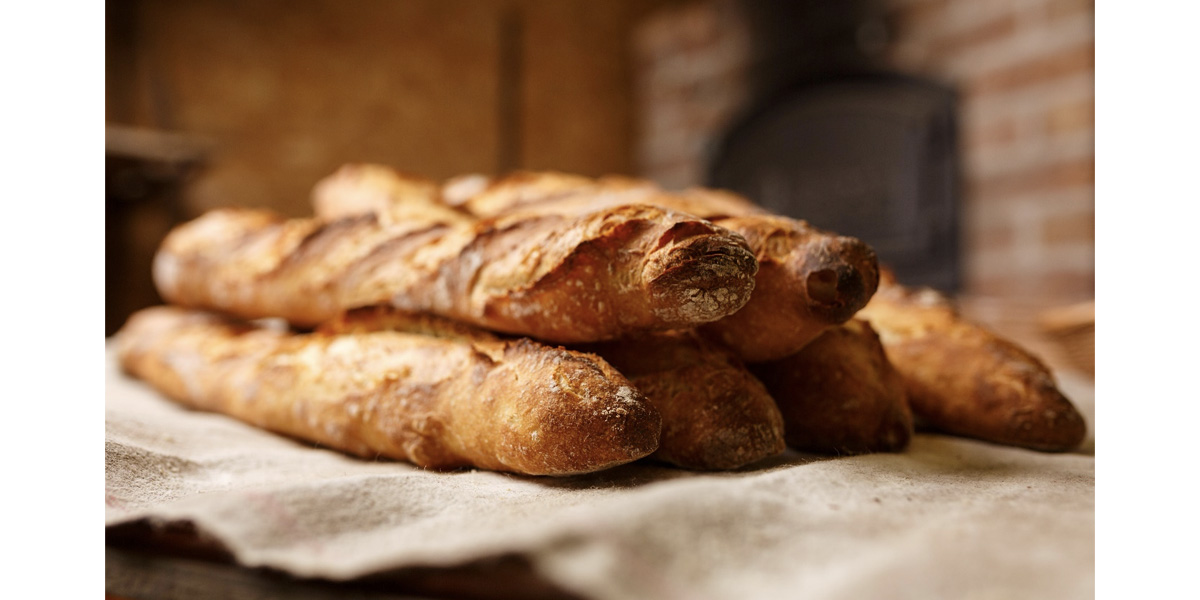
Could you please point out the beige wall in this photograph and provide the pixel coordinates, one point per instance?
(288, 91)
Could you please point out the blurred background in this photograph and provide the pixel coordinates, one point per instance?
(956, 136)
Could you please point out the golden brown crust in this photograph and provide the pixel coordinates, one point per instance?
(585, 278)
(716, 415)
(363, 189)
(368, 319)
(840, 395)
(551, 191)
(965, 380)
(605, 274)
(440, 403)
(808, 280)
(456, 191)
(541, 192)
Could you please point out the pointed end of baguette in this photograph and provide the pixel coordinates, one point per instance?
(1049, 423)
(965, 380)
(727, 421)
(701, 279)
(578, 414)
(895, 431)
(840, 275)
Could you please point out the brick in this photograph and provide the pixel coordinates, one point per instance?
(1070, 256)
(1027, 103)
(916, 19)
(1047, 177)
(1033, 39)
(665, 149)
(665, 118)
(1067, 286)
(659, 98)
(733, 32)
(986, 262)
(989, 238)
(712, 117)
(1057, 10)
(1000, 27)
(1071, 117)
(993, 246)
(1032, 150)
(1025, 72)
(696, 26)
(1049, 287)
(998, 133)
(1031, 209)
(697, 65)
(993, 286)
(908, 55)
(655, 37)
(678, 175)
(1069, 228)
(1028, 286)
(964, 15)
(1029, 255)
(1061, 64)
(1017, 270)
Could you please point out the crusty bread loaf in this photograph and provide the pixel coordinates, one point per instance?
(445, 402)
(808, 279)
(359, 189)
(715, 414)
(965, 380)
(369, 319)
(552, 191)
(582, 278)
(840, 395)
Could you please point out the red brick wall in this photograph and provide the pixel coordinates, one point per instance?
(690, 67)
(1024, 70)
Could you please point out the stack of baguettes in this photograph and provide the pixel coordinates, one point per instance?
(550, 324)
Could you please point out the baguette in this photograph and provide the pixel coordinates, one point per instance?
(715, 414)
(808, 280)
(359, 189)
(590, 277)
(551, 191)
(965, 380)
(840, 395)
(440, 403)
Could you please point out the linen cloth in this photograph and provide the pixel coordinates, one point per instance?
(947, 518)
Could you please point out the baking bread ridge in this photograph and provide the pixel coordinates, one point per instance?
(358, 189)
(567, 279)
(808, 280)
(441, 403)
(840, 395)
(715, 414)
(965, 380)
